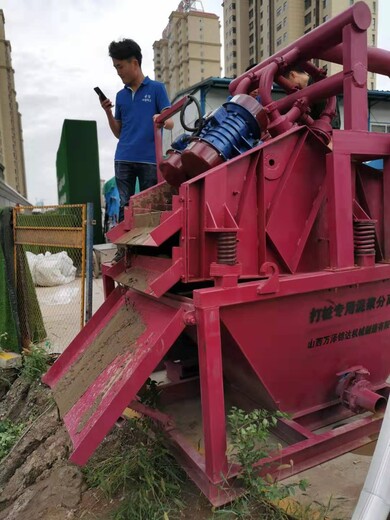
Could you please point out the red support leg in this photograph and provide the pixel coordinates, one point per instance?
(108, 282)
(340, 210)
(213, 403)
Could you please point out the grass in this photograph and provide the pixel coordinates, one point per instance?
(250, 441)
(35, 363)
(313, 511)
(9, 434)
(141, 473)
(136, 470)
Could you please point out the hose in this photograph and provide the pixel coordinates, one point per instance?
(198, 122)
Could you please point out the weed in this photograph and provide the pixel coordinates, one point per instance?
(3, 340)
(9, 434)
(250, 441)
(35, 363)
(142, 472)
(313, 511)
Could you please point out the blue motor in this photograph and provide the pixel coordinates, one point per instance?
(228, 131)
(233, 128)
(181, 142)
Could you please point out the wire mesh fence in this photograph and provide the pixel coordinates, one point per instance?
(50, 270)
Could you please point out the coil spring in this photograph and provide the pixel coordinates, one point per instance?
(227, 248)
(364, 237)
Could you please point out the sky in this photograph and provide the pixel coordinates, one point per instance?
(59, 53)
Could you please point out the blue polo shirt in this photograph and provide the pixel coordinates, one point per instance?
(136, 110)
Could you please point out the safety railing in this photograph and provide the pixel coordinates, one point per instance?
(50, 272)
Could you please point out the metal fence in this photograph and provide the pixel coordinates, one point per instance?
(50, 271)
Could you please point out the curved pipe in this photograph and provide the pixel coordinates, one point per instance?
(265, 86)
(330, 109)
(324, 122)
(326, 88)
(313, 71)
(250, 80)
(325, 36)
(244, 86)
(295, 113)
(286, 85)
(378, 60)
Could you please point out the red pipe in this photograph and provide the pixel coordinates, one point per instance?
(265, 86)
(360, 397)
(326, 88)
(312, 44)
(355, 391)
(378, 59)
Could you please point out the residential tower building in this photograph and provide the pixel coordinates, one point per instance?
(12, 169)
(190, 48)
(256, 29)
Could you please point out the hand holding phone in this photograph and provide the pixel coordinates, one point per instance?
(101, 95)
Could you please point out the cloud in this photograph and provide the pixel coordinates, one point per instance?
(59, 53)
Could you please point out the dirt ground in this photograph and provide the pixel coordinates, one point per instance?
(38, 483)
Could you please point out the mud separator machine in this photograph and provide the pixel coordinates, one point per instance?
(256, 273)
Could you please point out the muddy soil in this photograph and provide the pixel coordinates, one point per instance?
(111, 342)
(37, 481)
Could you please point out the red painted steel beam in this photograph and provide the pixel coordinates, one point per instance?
(386, 207)
(327, 35)
(355, 79)
(211, 390)
(378, 59)
(340, 211)
(290, 285)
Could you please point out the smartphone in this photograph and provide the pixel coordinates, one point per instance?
(100, 94)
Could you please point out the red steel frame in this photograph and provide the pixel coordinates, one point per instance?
(280, 199)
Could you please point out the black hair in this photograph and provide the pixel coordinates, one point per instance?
(295, 68)
(124, 50)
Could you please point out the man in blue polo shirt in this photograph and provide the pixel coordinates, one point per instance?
(137, 105)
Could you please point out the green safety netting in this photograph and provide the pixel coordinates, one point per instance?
(9, 321)
(20, 314)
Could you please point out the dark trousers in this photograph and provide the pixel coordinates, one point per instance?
(126, 174)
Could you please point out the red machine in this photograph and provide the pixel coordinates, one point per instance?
(268, 263)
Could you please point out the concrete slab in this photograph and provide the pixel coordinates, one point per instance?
(10, 360)
(336, 485)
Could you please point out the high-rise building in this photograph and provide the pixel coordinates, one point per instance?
(190, 48)
(256, 29)
(12, 169)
